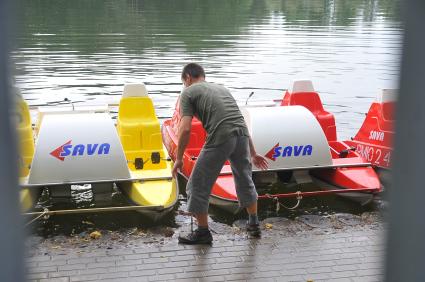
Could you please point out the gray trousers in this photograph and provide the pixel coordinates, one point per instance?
(208, 167)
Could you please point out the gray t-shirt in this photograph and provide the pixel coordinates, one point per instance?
(216, 108)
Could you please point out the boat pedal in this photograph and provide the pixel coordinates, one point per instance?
(265, 178)
(344, 153)
(138, 163)
(102, 192)
(155, 157)
(60, 193)
(302, 176)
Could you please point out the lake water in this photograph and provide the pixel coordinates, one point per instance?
(86, 50)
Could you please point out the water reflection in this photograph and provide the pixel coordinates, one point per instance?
(87, 50)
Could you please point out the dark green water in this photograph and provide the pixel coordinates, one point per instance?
(86, 50)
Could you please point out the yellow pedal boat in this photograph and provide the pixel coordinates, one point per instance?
(82, 145)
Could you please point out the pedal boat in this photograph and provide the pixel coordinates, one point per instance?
(298, 137)
(82, 145)
(374, 140)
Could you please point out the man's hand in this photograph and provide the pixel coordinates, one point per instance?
(260, 162)
(178, 165)
(257, 160)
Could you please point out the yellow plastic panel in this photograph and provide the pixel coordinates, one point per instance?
(28, 198)
(26, 139)
(139, 131)
(152, 192)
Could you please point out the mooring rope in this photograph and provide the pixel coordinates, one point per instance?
(279, 204)
(44, 213)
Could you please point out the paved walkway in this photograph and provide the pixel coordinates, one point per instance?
(350, 253)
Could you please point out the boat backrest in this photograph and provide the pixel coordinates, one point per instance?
(387, 95)
(300, 86)
(303, 94)
(135, 90)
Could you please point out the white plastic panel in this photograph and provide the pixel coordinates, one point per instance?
(77, 148)
(387, 95)
(302, 86)
(135, 90)
(289, 137)
(77, 109)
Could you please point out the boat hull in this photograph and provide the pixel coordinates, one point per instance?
(227, 205)
(161, 194)
(359, 197)
(29, 198)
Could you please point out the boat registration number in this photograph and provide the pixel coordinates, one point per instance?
(376, 156)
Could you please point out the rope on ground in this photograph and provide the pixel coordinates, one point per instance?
(279, 204)
(44, 214)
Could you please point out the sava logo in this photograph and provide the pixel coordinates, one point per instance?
(289, 151)
(68, 149)
(376, 135)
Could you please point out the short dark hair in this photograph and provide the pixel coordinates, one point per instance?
(194, 70)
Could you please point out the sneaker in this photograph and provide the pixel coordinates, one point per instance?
(253, 230)
(196, 237)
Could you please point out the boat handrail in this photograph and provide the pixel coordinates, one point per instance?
(132, 179)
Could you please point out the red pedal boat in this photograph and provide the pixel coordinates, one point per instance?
(299, 139)
(374, 139)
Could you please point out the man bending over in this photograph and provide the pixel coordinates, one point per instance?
(228, 139)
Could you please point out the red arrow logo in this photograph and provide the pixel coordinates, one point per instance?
(57, 152)
(270, 153)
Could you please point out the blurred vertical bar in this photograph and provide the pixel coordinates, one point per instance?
(11, 231)
(405, 258)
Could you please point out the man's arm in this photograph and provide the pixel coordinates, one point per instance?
(251, 147)
(184, 136)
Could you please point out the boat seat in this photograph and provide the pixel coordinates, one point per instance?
(387, 99)
(388, 111)
(197, 132)
(303, 94)
(139, 129)
(381, 112)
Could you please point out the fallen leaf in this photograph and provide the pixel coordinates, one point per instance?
(87, 222)
(95, 235)
(268, 226)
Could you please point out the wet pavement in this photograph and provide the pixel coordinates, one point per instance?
(336, 248)
(326, 238)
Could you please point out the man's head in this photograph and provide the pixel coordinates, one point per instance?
(192, 73)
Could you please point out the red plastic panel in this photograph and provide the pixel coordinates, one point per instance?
(374, 139)
(312, 102)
